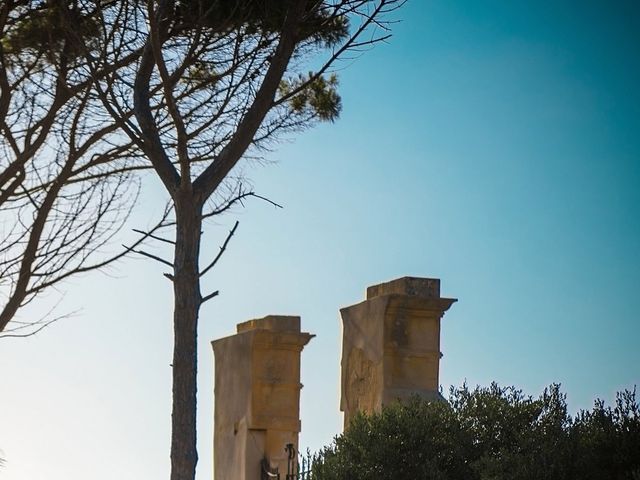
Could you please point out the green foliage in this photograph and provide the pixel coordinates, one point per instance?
(313, 96)
(201, 74)
(492, 433)
(51, 29)
(412, 441)
(56, 27)
(264, 16)
(598, 455)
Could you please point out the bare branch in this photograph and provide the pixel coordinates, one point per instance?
(213, 175)
(39, 328)
(238, 199)
(222, 249)
(149, 255)
(155, 237)
(210, 296)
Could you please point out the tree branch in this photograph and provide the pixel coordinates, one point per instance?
(212, 176)
(210, 296)
(236, 199)
(154, 257)
(142, 108)
(155, 237)
(222, 249)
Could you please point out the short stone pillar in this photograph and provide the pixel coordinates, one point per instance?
(257, 397)
(391, 345)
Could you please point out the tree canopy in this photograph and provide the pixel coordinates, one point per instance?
(491, 433)
(109, 89)
(94, 92)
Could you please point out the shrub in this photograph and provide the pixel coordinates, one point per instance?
(491, 433)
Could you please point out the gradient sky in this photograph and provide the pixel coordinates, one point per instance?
(494, 145)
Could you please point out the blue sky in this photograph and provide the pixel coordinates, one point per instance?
(494, 145)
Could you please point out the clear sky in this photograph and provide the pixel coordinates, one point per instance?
(494, 145)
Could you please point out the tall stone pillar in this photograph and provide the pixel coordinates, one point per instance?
(391, 345)
(257, 397)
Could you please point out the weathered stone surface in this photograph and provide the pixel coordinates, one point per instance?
(391, 345)
(412, 286)
(257, 396)
(279, 323)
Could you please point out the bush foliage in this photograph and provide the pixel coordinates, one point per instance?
(491, 433)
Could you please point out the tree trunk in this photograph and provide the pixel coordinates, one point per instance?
(186, 287)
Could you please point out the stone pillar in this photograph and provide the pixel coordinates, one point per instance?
(257, 397)
(391, 345)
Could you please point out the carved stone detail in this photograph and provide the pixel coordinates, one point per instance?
(391, 345)
(257, 396)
